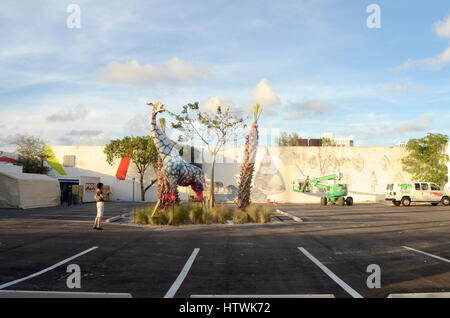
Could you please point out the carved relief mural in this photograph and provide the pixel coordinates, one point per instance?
(366, 170)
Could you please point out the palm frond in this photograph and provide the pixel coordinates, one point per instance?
(162, 124)
(257, 110)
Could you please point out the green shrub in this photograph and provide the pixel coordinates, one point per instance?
(160, 218)
(170, 216)
(240, 217)
(178, 214)
(140, 216)
(252, 214)
(219, 214)
(195, 213)
(267, 214)
(258, 214)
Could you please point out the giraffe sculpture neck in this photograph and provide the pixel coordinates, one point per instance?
(164, 146)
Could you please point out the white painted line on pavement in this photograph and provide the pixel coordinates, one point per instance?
(339, 281)
(58, 294)
(295, 218)
(177, 283)
(47, 269)
(428, 254)
(113, 219)
(266, 296)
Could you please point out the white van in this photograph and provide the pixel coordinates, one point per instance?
(405, 193)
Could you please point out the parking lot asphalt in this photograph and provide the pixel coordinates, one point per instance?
(326, 254)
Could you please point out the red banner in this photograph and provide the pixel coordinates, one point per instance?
(121, 173)
(7, 159)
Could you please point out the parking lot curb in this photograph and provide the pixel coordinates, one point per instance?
(295, 218)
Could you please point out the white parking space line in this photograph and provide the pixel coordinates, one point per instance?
(428, 254)
(266, 296)
(339, 281)
(177, 283)
(47, 269)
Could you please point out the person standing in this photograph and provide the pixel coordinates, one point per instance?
(100, 199)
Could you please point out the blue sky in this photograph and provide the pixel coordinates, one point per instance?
(314, 65)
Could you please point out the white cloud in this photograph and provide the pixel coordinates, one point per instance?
(316, 107)
(308, 109)
(407, 85)
(139, 124)
(210, 106)
(426, 118)
(182, 70)
(418, 125)
(432, 63)
(6, 142)
(84, 133)
(442, 28)
(78, 113)
(296, 115)
(174, 70)
(265, 95)
(389, 88)
(84, 139)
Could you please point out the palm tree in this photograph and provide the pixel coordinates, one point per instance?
(248, 165)
(161, 190)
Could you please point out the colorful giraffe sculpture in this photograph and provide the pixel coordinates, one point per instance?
(175, 171)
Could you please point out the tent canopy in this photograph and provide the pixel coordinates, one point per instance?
(28, 190)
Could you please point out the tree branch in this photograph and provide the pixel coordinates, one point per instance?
(150, 185)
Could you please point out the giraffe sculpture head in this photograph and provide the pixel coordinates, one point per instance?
(158, 107)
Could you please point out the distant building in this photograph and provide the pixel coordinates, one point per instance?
(401, 143)
(340, 142)
(303, 142)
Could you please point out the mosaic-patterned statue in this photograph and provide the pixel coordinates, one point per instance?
(175, 171)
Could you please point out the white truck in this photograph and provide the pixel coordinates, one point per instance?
(406, 193)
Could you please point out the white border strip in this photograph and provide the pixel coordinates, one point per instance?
(339, 281)
(420, 295)
(428, 254)
(266, 296)
(58, 294)
(47, 269)
(177, 283)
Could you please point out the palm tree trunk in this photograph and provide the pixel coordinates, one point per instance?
(211, 188)
(248, 168)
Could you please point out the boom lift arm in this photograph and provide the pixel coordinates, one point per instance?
(317, 181)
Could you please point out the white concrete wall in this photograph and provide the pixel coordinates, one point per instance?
(366, 170)
(90, 161)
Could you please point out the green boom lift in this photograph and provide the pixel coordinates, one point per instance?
(334, 193)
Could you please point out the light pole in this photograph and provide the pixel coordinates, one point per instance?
(133, 186)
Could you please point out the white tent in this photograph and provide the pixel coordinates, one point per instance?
(28, 190)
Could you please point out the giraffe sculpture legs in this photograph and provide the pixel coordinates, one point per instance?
(171, 184)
